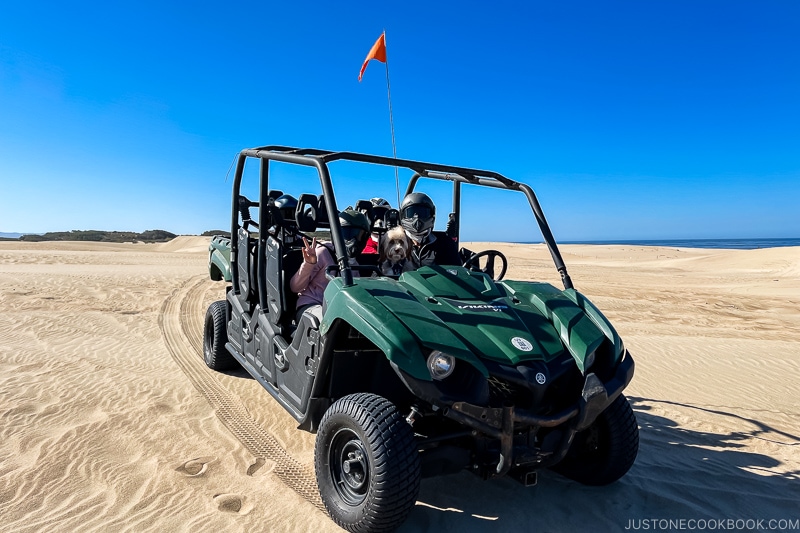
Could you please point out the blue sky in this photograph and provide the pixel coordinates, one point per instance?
(630, 120)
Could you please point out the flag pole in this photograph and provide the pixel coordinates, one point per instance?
(391, 122)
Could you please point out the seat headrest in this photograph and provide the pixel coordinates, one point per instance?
(311, 213)
(391, 218)
(306, 214)
(322, 213)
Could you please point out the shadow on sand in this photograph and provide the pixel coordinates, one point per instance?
(687, 468)
(679, 473)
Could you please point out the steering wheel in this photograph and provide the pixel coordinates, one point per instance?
(473, 263)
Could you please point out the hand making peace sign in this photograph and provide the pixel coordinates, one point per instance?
(309, 251)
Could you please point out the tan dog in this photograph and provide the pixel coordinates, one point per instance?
(395, 253)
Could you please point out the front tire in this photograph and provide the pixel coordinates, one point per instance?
(606, 450)
(367, 466)
(215, 335)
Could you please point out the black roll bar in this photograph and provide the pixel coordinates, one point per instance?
(544, 227)
(320, 158)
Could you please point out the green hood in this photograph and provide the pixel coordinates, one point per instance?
(465, 314)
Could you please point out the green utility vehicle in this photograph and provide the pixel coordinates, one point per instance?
(439, 369)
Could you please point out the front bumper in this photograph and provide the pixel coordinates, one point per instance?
(500, 422)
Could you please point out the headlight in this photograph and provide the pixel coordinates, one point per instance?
(440, 364)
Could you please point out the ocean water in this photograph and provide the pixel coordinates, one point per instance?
(733, 244)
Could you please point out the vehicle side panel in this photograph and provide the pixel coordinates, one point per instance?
(219, 259)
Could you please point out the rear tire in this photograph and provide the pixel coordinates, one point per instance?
(215, 335)
(606, 450)
(367, 465)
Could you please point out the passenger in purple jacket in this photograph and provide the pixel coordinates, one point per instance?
(310, 281)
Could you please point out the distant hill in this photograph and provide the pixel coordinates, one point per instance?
(9, 236)
(212, 232)
(155, 235)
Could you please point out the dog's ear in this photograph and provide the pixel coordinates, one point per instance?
(383, 244)
(409, 245)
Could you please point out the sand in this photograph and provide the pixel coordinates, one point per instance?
(110, 421)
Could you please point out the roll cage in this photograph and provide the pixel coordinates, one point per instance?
(320, 160)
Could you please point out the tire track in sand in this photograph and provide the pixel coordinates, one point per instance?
(182, 328)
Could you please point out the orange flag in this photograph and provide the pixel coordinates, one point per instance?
(378, 52)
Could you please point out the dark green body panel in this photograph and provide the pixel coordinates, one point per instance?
(219, 259)
(467, 315)
(599, 320)
(382, 310)
(581, 327)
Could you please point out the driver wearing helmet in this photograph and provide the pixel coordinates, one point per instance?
(417, 215)
(310, 280)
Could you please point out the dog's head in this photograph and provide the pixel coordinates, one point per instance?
(396, 245)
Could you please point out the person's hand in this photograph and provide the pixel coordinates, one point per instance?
(309, 251)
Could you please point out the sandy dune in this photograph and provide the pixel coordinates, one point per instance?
(109, 420)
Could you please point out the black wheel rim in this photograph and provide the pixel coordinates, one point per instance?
(349, 466)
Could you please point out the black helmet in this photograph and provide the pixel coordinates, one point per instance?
(379, 208)
(417, 214)
(355, 230)
(287, 205)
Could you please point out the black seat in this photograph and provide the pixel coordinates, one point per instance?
(310, 209)
(291, 264)
(311, 213)
(246, 262)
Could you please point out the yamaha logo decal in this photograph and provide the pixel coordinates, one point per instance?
(522, 344)
(540, 378)
(496, 306)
